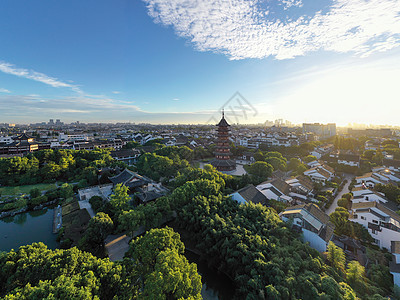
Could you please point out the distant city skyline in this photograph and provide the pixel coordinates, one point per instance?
(152, 61)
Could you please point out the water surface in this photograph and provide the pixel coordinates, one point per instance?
(27, 228)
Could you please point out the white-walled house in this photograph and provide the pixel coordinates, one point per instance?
(394, 265)
(275, 189)
(369, 180)
(319, 174)
(300, 186)
(249, 194)
(361, 194)
(352, 160)
(314, 223)
(382, 223)
(318, 152)
(314, 164)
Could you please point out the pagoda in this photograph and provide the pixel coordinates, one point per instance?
(222, 160)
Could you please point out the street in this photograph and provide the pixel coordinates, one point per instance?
(345, 190)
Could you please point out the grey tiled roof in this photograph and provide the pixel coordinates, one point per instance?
(251, 194)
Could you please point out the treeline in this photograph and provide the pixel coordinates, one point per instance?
(164, 162)
(154, 269)
(51, 165)
(391, 191)
(247, 242)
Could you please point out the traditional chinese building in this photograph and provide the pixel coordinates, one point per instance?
(222, 160)
(22, 144)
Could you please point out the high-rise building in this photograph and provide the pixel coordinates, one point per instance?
(322, 130)
(222, 160)
(51, 122)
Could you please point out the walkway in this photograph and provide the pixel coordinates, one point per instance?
(343, 191)
(57, 220)
(117, 246)
(85, 204)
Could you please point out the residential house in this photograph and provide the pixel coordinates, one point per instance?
(300, 186)
(249, 194)
(315, 225)
(394, 265)
(363, 194)
(368, 180)
(275, 189)
(318, 152)
(128, 156)
(372, 145)
(349, 159)
(319, 174)
(382, 222)
(247, 158)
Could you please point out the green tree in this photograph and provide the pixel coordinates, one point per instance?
(309, 158)
(343, 202)
(336, 257)
(100, 226)
(35, 192)
(165, 272)
(120, 198)
(131, 145)
(260, 170)
(300, 169)
(348, 196)
(340, 219)
(368, 154)
(38, 200)
(355, 275)
(66, 191)
(173, 278)
(293, 164)
(96, 202)
(276, 163)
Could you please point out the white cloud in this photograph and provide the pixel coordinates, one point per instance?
(116, 92)
(176, 99)
(2, 90)
(289, 3)
(33, 75)
(245, 29)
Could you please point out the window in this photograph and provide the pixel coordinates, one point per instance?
(355, 216)
(363, 218)
(375, 221)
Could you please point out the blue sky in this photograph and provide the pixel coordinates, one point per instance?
(179, 61)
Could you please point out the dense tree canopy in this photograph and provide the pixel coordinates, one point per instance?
(35, 272)
(260, 170)
(50, 165)
(155, 269)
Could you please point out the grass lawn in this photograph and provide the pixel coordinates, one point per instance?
(24, 189)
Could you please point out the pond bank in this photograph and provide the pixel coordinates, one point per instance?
(12, 213)
(27, 228)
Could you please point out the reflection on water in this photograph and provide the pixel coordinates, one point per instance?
(20, 219)
(215, 285)
(37, 213)
(27, 228)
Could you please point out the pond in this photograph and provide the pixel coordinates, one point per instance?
(27, 228)
(216, 285)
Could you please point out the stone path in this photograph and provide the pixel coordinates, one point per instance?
(345, 190)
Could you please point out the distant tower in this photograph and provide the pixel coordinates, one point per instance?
(222, 160)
